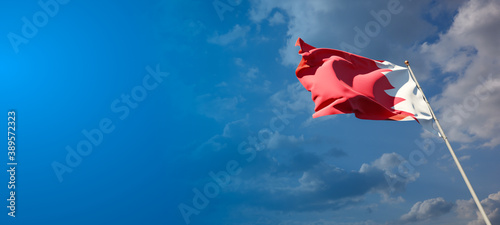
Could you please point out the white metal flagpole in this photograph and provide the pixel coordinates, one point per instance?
(472, 192)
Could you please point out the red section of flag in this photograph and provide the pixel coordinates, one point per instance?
(341, 82)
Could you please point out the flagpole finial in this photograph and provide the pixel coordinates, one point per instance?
(407, 63)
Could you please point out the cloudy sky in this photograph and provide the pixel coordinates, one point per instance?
(226, 136)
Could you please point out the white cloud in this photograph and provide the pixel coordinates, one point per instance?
(305, 182)
(251, 74)
(213, 144)
(446, 7)
(278, 140)
(396, 174)
(253, 81)
(305, 18)
(235, 128)
(295, 98)
(329, 23)
(217, 107)
(465, 157)
(239, 62)
(298, 100)
(491, 205)
(277, 19)
(426, 210)
(238, 32)
(221, 84)
(469, 106)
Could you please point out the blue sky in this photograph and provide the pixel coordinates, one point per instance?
(189, 112)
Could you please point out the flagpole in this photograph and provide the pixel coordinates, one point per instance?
(472, 192)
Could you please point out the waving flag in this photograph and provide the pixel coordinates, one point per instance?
(341, 83)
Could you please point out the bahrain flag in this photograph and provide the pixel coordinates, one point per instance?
(342, 82)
